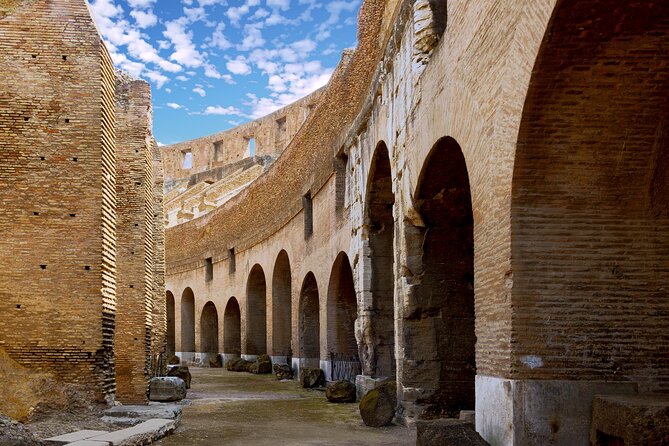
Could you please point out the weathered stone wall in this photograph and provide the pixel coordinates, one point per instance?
(57, 188)
(526, 167)
(271, 134)
(135, 236)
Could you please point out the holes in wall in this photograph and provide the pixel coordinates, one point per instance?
(138, 183)
(186, 159)
(18, 306)
(42, 266)
(136, 224)
(341, 161)
(73, 215)
(35, 214)
(67, 120)
(232, 261)
(26, 118)
(281, 129)
(308, 207)
(64, 57)
(87, 268)
(132, 286)
(34, 56)
(208, 269)
(250, 146)
(75, 159)
(219, 151)
(42, 158)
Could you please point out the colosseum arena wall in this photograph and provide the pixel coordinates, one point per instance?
(505, 220)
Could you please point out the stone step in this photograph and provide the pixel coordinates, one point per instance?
(144, 433)
(131, 415)
(72, 437)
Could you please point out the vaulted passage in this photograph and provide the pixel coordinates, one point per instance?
(310, 326)
(170, 335)
(590, 203)
(440, 329)
(188, 321)
(379, 216)
(256, 314)
(281, 299)
(342, 309)
(232, 329)
(209, 329)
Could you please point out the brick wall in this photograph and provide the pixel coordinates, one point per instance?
(590, 221)
(57, 182)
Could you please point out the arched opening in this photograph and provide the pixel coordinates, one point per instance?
(188, 321)
(381, 224)
(310, 326)
(171, 334)
(342, 311)
(590, 199)
(441, 324)
(281, 304)
(232, 329)
(209, 329)
(256, 314)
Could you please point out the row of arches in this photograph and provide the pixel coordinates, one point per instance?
(341, 313)
(438, 328)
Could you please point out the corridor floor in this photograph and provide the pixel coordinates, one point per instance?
(229, 408)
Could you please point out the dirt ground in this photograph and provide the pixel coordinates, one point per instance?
(229, 408)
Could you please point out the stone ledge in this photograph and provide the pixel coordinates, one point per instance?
(635, 419)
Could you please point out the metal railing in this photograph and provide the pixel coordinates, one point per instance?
(345, 367)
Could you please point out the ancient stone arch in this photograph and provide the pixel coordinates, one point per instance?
(381, 234)
(439, 327)
(281, 306)
(342, 309)
(256, 313)
(209, 329)
(232, 329)
(170, 334)
(188, 321)
(309, 323)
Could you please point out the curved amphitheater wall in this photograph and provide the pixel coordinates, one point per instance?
(426, 98)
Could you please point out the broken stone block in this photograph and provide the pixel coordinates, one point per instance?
(283, 371)
(181, 372)
(310, 378)
(341, 392)
(447, 432)
(262, 365)
(632, 420)
(238, 365)
(377, 407)
(13, 433)
(167, 388)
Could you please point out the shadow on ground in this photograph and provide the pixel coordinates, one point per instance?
(240, 408)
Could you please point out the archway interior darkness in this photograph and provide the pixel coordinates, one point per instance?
(209, 329)
(232, 328)
(188, 321)
(444, 319)
(380, 201)
(169, 308)
(256, 316)
(281, 299)
(342, 309)
(310, 326)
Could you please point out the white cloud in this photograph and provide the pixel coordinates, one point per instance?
(236, 13)
(199, 90)
(218, 39)
(284, 5)
(174, 105)
(238, 66)
(158, 78)
(335, 9)
(141, 4)
(252, 38)
(144, 19)
(182, 40)
(224, 111)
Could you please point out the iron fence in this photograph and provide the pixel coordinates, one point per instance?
(345, 367)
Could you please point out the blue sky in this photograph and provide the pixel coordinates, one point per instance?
(214, 64)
